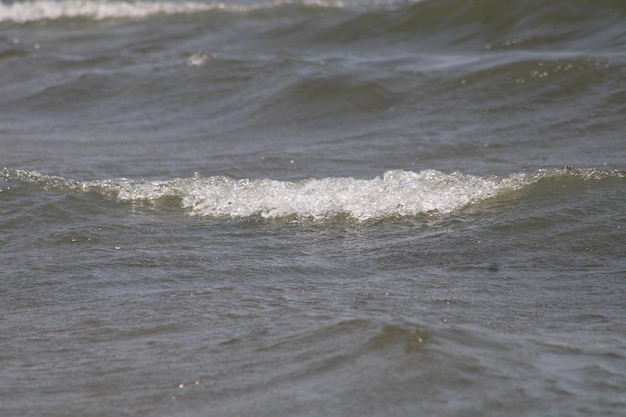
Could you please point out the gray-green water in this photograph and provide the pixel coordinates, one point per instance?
(312, 208)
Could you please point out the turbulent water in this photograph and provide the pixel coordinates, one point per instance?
(313, 208)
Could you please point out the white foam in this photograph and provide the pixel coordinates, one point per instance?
(395, 194)
(28, 11)
(34, 10)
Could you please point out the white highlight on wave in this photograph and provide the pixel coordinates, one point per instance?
(29, 11)
(22, 12)
(395, 194)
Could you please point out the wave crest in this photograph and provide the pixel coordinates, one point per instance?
(395, 194)
(22, 12)
(29, 11)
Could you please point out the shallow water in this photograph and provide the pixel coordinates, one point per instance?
(312, 208)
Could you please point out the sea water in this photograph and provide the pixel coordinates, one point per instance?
(312, 208)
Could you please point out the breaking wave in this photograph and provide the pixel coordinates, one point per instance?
(395, 194)
(29, 11)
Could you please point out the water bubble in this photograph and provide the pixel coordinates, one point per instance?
(198, 58)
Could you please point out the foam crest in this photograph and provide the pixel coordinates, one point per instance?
(395, 194)
(29, 11)
(22, 12)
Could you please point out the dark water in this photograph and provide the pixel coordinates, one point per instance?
(306, 208)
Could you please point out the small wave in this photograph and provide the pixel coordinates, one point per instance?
(393, 195)
(22, 12)
(489, 24)
(413, 339)
(29, 11)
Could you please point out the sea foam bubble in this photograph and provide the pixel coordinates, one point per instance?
(395, 194)
(29, 11)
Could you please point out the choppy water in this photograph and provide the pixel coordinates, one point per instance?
(305, 208)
